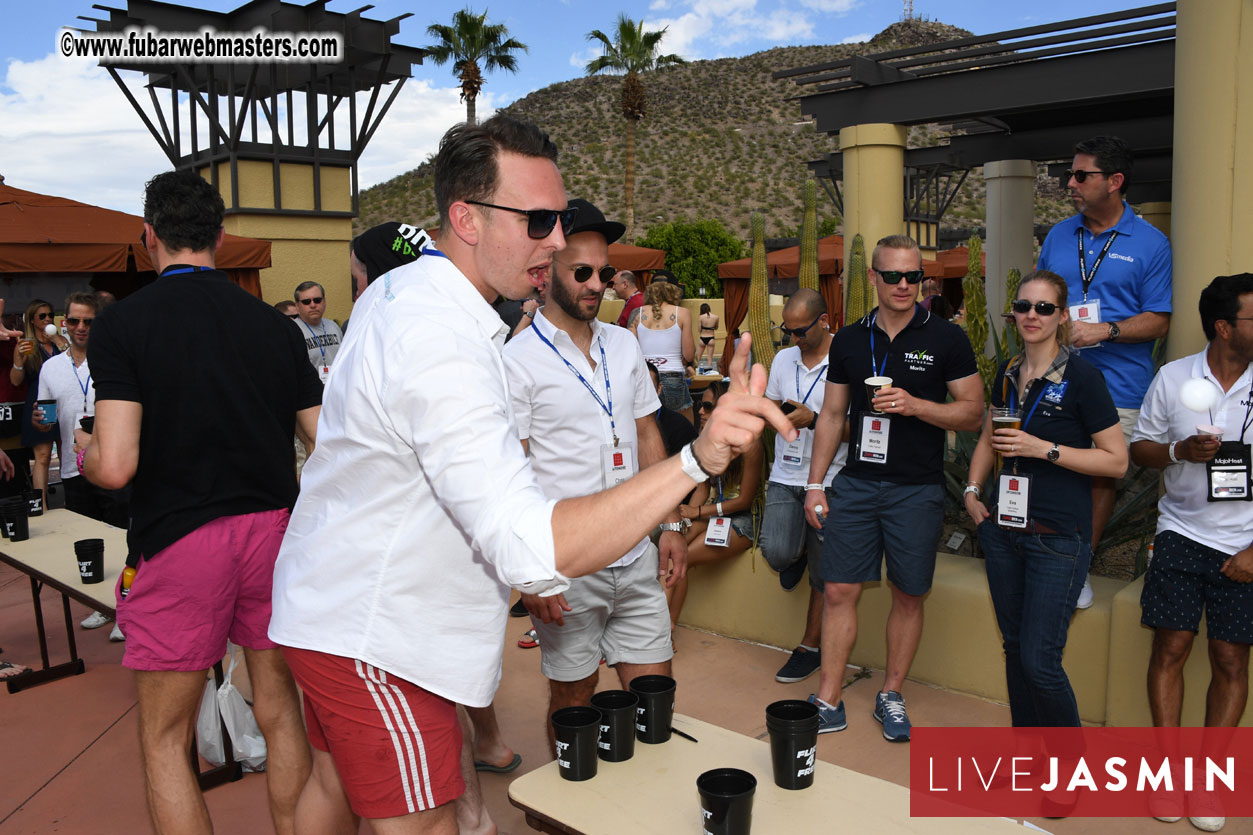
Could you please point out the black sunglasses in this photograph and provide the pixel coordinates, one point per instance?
(43, 315)
(539, 222)
(293, 315)
(1080, 175)
(706, 406)
(895, 276)
(1043, 308)
(73, 323)
(584, 272)
(311, 300)
(800, 332)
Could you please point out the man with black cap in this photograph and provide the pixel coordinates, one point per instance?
(381, 249)
(584, 405)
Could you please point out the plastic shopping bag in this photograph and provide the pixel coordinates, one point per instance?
(240, 723)
(208, 728)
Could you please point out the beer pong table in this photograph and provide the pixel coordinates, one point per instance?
(47, 558)
(655, 791)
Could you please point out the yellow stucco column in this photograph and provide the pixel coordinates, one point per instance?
(1212, 176)
(874, 183)
(1009, 213)
(303, 247)
(1157, 214)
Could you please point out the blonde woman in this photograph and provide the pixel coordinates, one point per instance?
(664, 329)
(35, 348)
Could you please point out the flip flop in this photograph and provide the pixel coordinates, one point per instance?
(10, 670)
(529, 640)
(479, 765)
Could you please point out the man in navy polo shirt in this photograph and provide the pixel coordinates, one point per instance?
(890, 496)
(1117, 271)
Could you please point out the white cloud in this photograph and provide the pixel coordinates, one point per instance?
(709, 27)
(579, 60)
(658, 5)
(831, 6)
(861, 37)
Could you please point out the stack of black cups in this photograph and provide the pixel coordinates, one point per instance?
(90, 555)
(13, 522)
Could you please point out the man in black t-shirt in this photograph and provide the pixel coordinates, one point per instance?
(889, 498)
(198, 416)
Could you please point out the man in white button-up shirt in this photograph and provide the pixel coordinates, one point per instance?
(584, 406)
(419, 510)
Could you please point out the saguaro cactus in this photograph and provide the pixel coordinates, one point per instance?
(859, 301)
(977, 313)
(759, 295)
(1011, 327)
(809, 237)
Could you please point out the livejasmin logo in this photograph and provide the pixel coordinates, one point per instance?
(1081, 772)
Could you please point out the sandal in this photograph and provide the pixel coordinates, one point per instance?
(10, 670)
(529, 640)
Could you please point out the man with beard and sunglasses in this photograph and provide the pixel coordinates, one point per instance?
(889, 499)
(584, 404)
(419, 509)
(1117, 268)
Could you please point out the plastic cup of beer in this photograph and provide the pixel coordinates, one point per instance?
(25, 348)
(1004, 418)
(873, 384)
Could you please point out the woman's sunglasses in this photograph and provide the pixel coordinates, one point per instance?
(539, 222)
(1043, 308)
(895, 276)
(706, 406)
(584, 272)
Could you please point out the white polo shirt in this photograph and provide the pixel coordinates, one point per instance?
(1223, 526)
(417, 509)
(75, 393)
(566, 429)
(791, 379)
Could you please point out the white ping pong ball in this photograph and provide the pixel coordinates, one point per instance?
(51, 330)
(1197, 394)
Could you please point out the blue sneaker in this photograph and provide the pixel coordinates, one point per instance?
(803, 664)
(889, 711)
(829, 718)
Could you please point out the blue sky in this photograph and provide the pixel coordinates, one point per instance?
(66, 129)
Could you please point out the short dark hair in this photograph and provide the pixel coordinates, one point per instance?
(83, 298)
(653, 371)
(185, 210)
(1221, 300)
(465, 165)
(284, 305)
(811, 301)
(307, 285)
(1112, 155)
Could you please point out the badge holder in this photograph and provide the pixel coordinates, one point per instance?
(718, 533)
(1087, 311)
(1013, 496)
(795, 453)
(617, 463)
(872, 445)
(324, 372)
(1227, 474)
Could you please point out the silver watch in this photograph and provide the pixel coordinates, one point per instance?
(677, 527)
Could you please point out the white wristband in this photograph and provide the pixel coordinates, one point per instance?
(691, 467)
(719, 508)
(1170, 450)
(809, 487)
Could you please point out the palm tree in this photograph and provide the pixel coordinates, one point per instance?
(469, 41)
(631, 51)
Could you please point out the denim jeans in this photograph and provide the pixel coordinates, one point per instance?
(785, 535)
(1035, 580)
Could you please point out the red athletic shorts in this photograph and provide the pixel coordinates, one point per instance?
(397, 747)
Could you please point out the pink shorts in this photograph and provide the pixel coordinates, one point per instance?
(212, 584)
(397, 747)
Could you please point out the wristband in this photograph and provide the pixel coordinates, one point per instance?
(719, 508)
(972, 488)
(82, 453)
(18, 367)
(809, 487)
(1170, 450)
(691, 464)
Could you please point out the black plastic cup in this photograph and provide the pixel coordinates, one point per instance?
(793, 727)
(577, 730)
(656, 708)
(90, 555)
(34, 502)
(617, 724)
(13, 517)
(726, 801)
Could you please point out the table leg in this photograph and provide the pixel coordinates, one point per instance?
(49, 672)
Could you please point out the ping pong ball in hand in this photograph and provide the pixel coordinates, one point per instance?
(51, 330)
(1197, 394)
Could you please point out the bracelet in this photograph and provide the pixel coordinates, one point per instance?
(972, 488)
(82, 453)
(809, 487)
(719, 508)
(1170, 450)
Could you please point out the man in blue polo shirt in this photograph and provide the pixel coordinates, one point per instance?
(1117, 271)
(890, 496)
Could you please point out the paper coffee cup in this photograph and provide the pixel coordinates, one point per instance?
(873, 384)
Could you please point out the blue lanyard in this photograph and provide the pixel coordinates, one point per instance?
(875, 372)
(604, 367)
(321, 347)
(719, 481)
(805, 399)
(426, 250)
(1013, 397)
(188, 270)
(81, 384)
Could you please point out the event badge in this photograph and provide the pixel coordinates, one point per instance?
(873, 444)
(794, 454)
(1228, 473)
(719, 531)
(324, 371)
(1087, 311)
(617, 463)
(1012, 495)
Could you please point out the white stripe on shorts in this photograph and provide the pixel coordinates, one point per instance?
(425, 781)
(366, 673)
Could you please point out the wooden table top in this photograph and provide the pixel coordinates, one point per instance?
(49, 556)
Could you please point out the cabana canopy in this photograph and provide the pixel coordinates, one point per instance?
(41, 233)
(785, 263)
